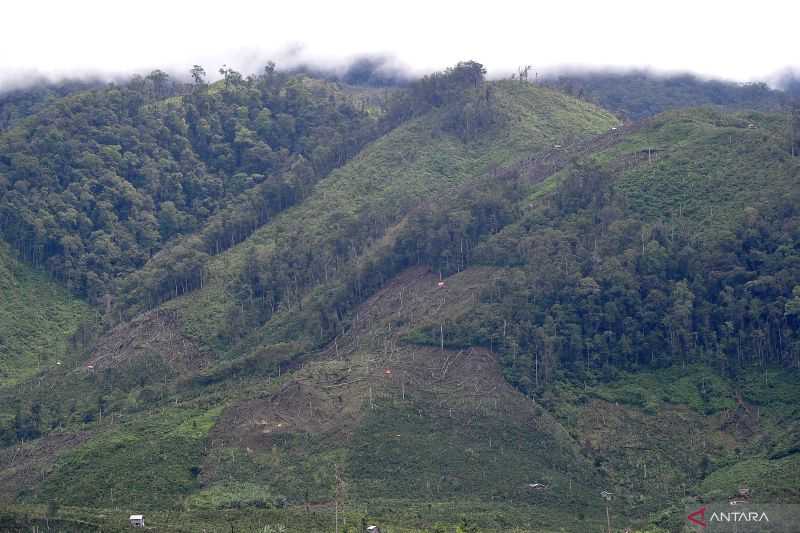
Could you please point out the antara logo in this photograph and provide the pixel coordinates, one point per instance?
(699, 517)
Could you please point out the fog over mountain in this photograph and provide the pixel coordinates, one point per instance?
(56, 40)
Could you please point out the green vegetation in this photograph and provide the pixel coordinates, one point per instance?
(698, 387)
(628, 265)
(151, 461)
(636, 95)
(329, 241)
(458, 305)
(17, 104)
(772, 481)
(37, 320)
(96, 183)
(739, 161)
(439, 456)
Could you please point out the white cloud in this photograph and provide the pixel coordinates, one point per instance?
(734, 40)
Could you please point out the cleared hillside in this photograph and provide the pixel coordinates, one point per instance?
(490, 314)
(356, 204)
(461, 394)
(399, 420)
(37, 319)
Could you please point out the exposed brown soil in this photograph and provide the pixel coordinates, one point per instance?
(315, 400)
(155, 333)
(411, 299)
(370, 364)
(24, 466)
(643, 446)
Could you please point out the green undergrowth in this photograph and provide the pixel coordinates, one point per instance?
(770, 481)
(297, 468)
(696, 386)
(704, 167)
(432, 454)
(150, 461)
(37, 319)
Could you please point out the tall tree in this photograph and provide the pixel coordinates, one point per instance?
(198, 75)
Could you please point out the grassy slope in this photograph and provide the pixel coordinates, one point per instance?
(418, 446)
(37, 317)
(145, 462)
(709, 167)
(417, 161)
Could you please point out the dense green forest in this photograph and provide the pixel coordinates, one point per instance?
(19, 103)
(468, 109)
(442, 304)
(613, 278)
(97, 183)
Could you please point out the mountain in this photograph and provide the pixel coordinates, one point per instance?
(493, 303)
(98, 182)
(635, 95)
(38, 320)
(19, 103)
(351, 217)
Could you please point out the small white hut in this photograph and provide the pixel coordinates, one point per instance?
(136, 520)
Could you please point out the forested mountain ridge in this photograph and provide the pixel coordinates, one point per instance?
(94, 184)
(18, 103)
(678, 244)
(320, 244)
(495, 304)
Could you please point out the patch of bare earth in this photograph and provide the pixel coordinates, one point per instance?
(369, 364)
(25, 466)
(468, 379)
(155, 333)
(322, 397)
(657, 452)
(415, 297)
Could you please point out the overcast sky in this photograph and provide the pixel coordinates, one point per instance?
(730, 39)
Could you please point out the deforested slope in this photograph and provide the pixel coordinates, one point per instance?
(419, 161)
